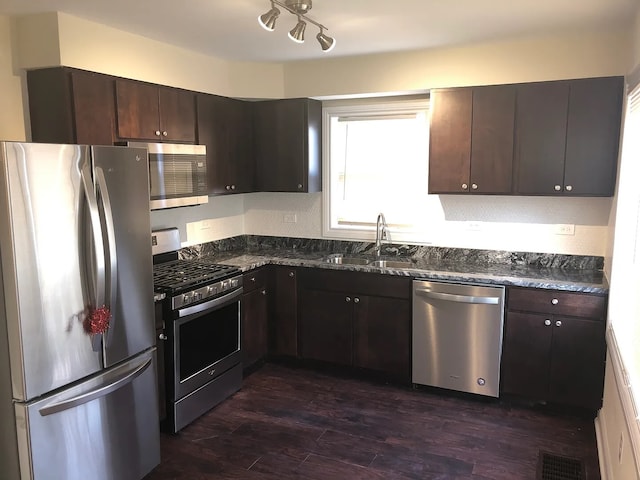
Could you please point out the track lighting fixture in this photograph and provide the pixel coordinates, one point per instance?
(299, 8)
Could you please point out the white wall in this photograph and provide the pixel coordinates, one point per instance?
(12, 125)
(507, 223)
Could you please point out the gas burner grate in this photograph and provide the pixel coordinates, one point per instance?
(179, 275)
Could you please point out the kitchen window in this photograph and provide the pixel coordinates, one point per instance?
(376, 155)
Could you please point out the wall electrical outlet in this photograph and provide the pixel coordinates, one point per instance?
(290, 218)
(474, 226)
(565, 229)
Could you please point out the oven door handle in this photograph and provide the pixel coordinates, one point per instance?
(216, 302)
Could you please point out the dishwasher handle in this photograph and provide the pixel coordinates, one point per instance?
(450, 297)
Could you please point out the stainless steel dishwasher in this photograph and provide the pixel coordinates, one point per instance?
(457, 336)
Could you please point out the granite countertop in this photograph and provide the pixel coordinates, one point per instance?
(532, 276)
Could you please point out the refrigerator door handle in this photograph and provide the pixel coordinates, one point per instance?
(101, 391)
(113, 258)
(98, 245)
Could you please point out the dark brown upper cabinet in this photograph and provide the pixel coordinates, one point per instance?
(567, 137)
(287, 145)
(71, 106)
(225, 127)
(155, 113)
(471, 140)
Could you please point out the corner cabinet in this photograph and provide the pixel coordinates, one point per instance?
(225, 127)
(154, 113)
(567, 136)
(356, 319)
(287, 145)
(471, 140)
(554, 347)
(71, 106)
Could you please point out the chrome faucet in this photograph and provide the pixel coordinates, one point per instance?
(382, 233)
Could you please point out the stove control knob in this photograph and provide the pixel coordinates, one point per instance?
(186, 298)
(197, 296)
(234, 282)
(225, 285)
(212, 290)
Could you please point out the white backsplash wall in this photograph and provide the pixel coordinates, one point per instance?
(222, 217)
(528, 224)
(265, 214)
(485, 222)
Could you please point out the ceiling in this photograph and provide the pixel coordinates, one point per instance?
(229, 29)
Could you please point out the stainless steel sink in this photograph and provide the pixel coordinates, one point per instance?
(390, 264)
(341, 260)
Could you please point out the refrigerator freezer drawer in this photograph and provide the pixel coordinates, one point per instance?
(103, 429)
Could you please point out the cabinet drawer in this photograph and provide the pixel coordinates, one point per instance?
(557, 303)
(254, 279)
(373, 284)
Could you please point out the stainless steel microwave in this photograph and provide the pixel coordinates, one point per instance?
(177, 174)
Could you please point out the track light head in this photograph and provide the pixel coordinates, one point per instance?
(268, 20)
(299, 8)
(326, 42)
(297, 33)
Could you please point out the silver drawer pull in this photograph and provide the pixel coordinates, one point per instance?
(449, 297)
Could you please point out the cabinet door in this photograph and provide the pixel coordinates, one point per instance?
(137, 111)
(284, 311)
(576, 376)
(287, 136)
(526, 355)
(177, 113)
(225, 127)
(541, 129)
(326, 326)
(93, 108)
(492, 139)
(450, 141)
(382, 335)
(593, 136)
(254, 326)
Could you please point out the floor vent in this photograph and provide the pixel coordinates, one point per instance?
(555, 467)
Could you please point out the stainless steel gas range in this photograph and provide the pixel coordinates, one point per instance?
(201, 313)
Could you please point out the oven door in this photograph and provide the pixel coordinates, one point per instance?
(206, 341)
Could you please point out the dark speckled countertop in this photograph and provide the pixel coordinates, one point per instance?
(559, 272)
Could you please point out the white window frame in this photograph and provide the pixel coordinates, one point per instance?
(366, 107)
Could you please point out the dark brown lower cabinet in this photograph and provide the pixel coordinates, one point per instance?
(326, 326)
(283, 311)
(253, 329)
(555, 357)
(356, 319)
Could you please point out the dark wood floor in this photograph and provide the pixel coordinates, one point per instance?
(290, 423)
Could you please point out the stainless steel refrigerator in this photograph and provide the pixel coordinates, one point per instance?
(77, 357)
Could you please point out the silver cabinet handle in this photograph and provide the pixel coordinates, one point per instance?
(162, 336)
(263, 292)
(356, 300)
(299, 186)
(450, 297)
(554, 301)
(233, 187)
(557, 188)
(568, 188)
(474, 186)
(253, 279)
(164, 134)
(348, 299)
(558, 323)
(228, 187)
(465, 186)
(291, 274)
(547, 322)
(157, 132)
